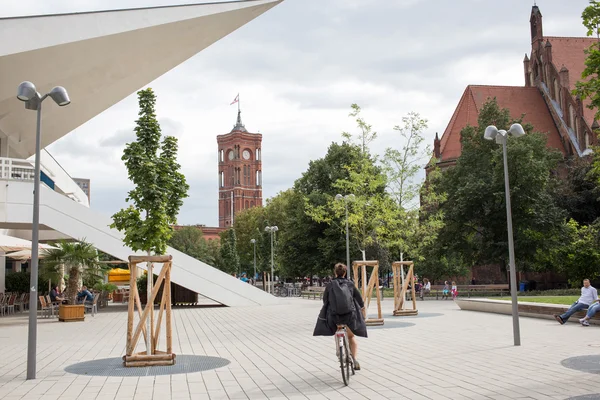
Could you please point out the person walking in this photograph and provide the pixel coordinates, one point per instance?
(589, 295)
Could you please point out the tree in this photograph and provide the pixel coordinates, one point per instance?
(579, 193)
(191, 241)
(589, 87)
(402, 166)
(474, 212)
(366, 135)
(229, 256)
(579, 257)
(80, 258)
(159, 186)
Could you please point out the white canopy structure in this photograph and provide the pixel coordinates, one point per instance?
(101, 58)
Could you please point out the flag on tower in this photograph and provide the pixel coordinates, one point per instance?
(237, 99)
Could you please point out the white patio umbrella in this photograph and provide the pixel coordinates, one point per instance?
(24, 255)
(11, 243)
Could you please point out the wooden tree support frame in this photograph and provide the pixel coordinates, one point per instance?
(150, 357)
(359, 269)
(400, 289)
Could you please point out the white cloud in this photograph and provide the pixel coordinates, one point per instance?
(297, 69)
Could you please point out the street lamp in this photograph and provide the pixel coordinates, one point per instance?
(491, 133)
(253, 241)
(33, 101)
(272, 230)
(346, 199)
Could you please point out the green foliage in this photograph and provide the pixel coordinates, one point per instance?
(579, 256)
(366, 134)
(159, 186)
(475, 210)
(80, 260)
(589, 86)
(105, 287)
(229, 256)
(402, 166)
(18, 282)
(579, 193)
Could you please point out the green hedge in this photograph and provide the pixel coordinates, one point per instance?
(19, 282)
(553, 292)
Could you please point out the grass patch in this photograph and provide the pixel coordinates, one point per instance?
(568, 300)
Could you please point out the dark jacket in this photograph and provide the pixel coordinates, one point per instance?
(328, 320)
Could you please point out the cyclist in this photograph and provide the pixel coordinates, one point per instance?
(342, 305)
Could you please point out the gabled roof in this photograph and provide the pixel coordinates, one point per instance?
(570, 53)
(518, 100)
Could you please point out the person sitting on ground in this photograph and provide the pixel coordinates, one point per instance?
(85, 295)
(342, 305)
(589, 295)
(55, 295)
(426, 287)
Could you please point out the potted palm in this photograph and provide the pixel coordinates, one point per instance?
(79, 259)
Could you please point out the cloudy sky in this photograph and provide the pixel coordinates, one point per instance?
(297, 69)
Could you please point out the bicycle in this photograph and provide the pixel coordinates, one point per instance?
(344, 354)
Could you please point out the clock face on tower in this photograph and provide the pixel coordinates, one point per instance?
(246, 155)
(230, 155)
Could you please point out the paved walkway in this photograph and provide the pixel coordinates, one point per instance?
(444, 353)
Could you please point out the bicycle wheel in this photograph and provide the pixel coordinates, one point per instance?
(342, 353)
(349, 359)
(283, 292)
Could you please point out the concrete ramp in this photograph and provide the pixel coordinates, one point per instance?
(61, 214)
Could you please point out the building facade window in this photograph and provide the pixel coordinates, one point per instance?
(571, 117)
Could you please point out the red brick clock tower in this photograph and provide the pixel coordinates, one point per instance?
(240, 172)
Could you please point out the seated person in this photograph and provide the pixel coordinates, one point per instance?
(589, 295)
(594, 308)
(84, 295)
(55, 295)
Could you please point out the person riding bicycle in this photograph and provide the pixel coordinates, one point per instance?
(342, 305)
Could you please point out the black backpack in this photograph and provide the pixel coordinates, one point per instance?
(341, 297)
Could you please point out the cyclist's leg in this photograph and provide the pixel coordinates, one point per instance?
(353, 343)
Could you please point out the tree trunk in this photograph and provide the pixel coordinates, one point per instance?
(72, 286)
(61, 279)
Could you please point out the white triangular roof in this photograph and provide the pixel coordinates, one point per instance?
(101, 58)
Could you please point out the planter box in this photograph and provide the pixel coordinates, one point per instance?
(71, 313)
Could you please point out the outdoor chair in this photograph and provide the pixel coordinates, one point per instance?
(10, 305)
(20, 302)
(2, 303)
(45, 307)
(93, 306)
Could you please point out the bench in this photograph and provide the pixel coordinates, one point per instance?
(314, 292)
(470, 290)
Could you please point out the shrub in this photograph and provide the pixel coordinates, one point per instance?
(19, 282)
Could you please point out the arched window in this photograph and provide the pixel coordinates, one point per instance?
(571, 117)
(221, 155)
(221, 178)
(556, 91)
(247, 203)
(258, 155)
(251, 204)
(587, 140)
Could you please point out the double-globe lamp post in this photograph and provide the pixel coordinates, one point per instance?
(500, 135)
(253, 241)
(346, 199)
(33, 101)
(272, 230)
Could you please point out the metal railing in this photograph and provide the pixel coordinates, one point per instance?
(16, 169)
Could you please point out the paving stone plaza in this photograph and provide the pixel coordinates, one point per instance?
(270, 353)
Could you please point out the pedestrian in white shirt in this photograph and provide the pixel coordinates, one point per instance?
(589, 295)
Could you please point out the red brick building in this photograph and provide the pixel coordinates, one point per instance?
(240, 176)
(551, 69)
(240, 172)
